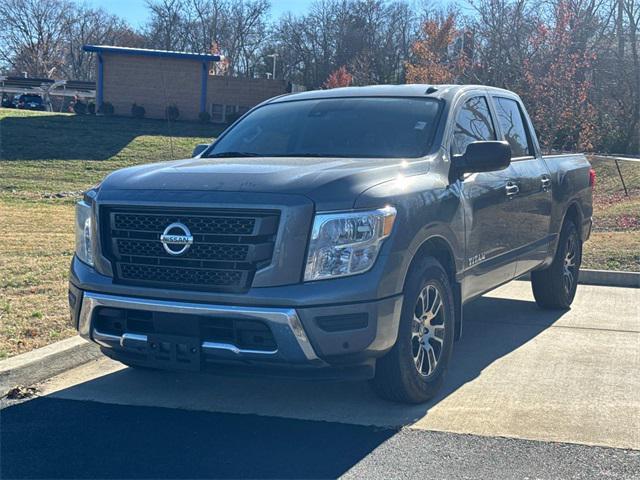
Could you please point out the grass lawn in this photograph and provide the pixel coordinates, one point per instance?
(615, 240)
(48, 159)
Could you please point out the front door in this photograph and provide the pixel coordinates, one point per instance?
(489, 213)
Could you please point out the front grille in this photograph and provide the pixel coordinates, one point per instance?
(185, 276)
(203, 224)
(228, 247)
(204, 251)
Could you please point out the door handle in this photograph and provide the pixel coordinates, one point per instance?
(512, 189)
(546, 182)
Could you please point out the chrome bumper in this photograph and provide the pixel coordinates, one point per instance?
(293, 345)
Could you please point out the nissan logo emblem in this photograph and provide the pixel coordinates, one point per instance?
(176, 239)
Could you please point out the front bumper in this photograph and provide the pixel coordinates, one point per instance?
(293, 345)
(312, 341)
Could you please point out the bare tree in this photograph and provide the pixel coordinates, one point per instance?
(92, 26)
(631, 8)
(371, 37)
(31, 36)
(208, 22)
(238, 29)
(167, 28)
(248, 29)
(501, 31)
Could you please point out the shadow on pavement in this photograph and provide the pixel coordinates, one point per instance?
(73, 436)
(54, 438)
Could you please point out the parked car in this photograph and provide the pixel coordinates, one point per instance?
(31, 102)
(335, 234)
(7, 101)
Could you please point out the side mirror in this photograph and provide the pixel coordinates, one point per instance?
(485, 156)
(199, 149)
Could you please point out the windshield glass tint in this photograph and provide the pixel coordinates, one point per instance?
(335, 127)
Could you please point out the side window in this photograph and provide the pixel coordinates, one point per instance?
(473, 124)
(513, 127)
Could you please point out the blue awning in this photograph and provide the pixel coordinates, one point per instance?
(151, 53)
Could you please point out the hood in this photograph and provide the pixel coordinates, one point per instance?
(332, 183)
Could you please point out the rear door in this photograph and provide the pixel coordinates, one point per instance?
(488, 211)
(532, 203)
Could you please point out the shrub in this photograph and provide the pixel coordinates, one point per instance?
(106, 108)
(80, 108)
(204, 117)
(137, 111)
(172, 112)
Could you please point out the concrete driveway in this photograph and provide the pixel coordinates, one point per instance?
(519, 372)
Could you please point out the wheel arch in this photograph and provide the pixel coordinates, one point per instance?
(573, 212)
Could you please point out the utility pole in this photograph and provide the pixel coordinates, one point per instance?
(273, 55)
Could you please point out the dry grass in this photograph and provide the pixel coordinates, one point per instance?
(46, 161)
(615, 242)
(36, 241)
(613, 210)
(613, 251)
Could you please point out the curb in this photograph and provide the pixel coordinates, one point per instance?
(610, 278)
(605, 278)
(37, 365)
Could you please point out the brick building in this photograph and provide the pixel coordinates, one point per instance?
(155, 79)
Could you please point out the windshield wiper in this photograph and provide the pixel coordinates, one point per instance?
(233, 154)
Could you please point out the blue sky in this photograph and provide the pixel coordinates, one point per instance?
(135, 11)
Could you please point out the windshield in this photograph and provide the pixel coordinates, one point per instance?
(334, 127)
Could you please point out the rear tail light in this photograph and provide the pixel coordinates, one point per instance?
(592, 178)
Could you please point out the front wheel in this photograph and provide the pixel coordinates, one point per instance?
(555, 287)
(414, 369)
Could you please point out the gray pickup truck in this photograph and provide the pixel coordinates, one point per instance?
(331, 234)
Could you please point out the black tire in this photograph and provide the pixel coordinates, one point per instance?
(554, 288)
(397, 376)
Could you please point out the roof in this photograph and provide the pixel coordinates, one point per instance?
(21, 82)
(151, 53)
(446, 92)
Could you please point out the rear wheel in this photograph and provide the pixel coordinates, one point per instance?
(555, 286)
(414, 369)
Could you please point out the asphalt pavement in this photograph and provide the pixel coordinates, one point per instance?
(531, 394)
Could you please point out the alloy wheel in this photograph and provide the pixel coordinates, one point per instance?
(428, 329)
(570, 266)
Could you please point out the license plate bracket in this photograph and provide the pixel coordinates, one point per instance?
(174, 352)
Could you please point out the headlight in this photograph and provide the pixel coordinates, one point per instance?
(84, 245)
(344, 244)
